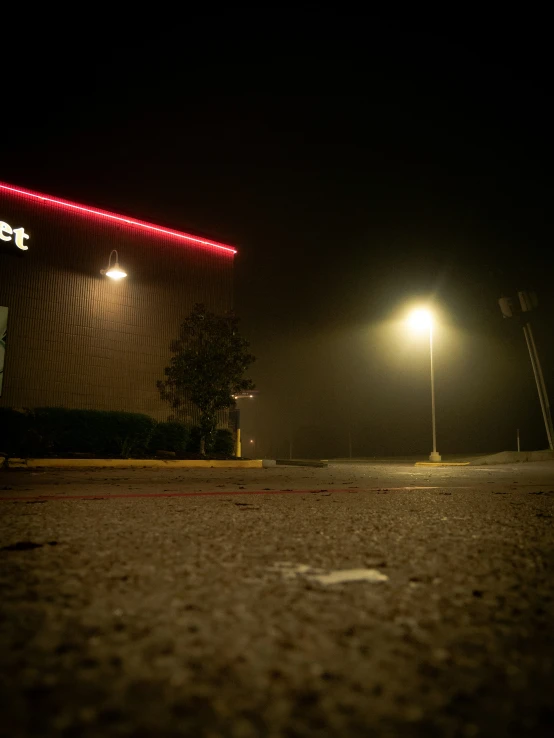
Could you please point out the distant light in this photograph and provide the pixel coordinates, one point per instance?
(251, 440)
(420, 319)
(251, 395)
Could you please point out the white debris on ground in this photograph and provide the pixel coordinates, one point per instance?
(351, 575)
(339, 576)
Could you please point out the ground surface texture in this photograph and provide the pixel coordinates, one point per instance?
(186, 603)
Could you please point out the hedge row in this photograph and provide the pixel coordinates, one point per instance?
(55, 430)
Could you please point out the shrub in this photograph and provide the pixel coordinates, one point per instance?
(224, 443)
(54, 430)
(58, 430)
(16, 433)
(170, 436)
(193, 445)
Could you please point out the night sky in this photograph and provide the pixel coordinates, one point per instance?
(358, 170)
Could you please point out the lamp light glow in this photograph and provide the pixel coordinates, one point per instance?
(114, 271)
(421, 319)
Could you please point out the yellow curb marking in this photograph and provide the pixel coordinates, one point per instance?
(441, 463)
(139, 463)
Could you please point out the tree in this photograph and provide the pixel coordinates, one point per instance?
(207, 368)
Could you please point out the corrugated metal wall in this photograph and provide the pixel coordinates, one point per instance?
(78, 339)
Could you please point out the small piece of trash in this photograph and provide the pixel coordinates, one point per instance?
(290, 571)
(350, 575)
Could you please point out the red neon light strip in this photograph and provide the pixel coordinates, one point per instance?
(121, 218)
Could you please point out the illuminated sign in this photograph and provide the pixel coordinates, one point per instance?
(19, 235)
(104, 214)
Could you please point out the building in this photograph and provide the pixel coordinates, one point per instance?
(77, 338)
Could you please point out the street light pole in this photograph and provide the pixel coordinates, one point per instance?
(528, 302)
(434, 455)
(541, 386)
(419, 320)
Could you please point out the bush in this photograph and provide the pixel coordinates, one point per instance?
(224, 443)
(193, 445)
(16, 434)
(170, 436)
(47, 431)
(55, 430)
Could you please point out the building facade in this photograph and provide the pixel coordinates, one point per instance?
(73, 337)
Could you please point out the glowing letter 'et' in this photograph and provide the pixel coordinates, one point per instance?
(20, 237)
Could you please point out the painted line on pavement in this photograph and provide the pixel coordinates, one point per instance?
(129, 495)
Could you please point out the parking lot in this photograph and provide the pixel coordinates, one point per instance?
(364, 599)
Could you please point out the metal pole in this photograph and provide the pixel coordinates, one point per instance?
(518, 448)
(543, 385)
(537, 371)
(349, 442)
(434, 455)
(238, 449)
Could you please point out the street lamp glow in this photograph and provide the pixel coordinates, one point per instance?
(421, 319)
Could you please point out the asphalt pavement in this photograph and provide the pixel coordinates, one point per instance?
(354, 600)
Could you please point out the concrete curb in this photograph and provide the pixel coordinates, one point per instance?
(302, 462)
(514, 457)
(442, 463)
(137, 464)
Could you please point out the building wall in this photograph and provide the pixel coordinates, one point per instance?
(81, 340)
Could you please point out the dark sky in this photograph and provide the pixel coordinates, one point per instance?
(358, 169)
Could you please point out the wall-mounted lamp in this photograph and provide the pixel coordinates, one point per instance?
(114, 271)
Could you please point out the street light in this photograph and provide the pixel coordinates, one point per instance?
(421, 320)
(240, 396)
(114, 271)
